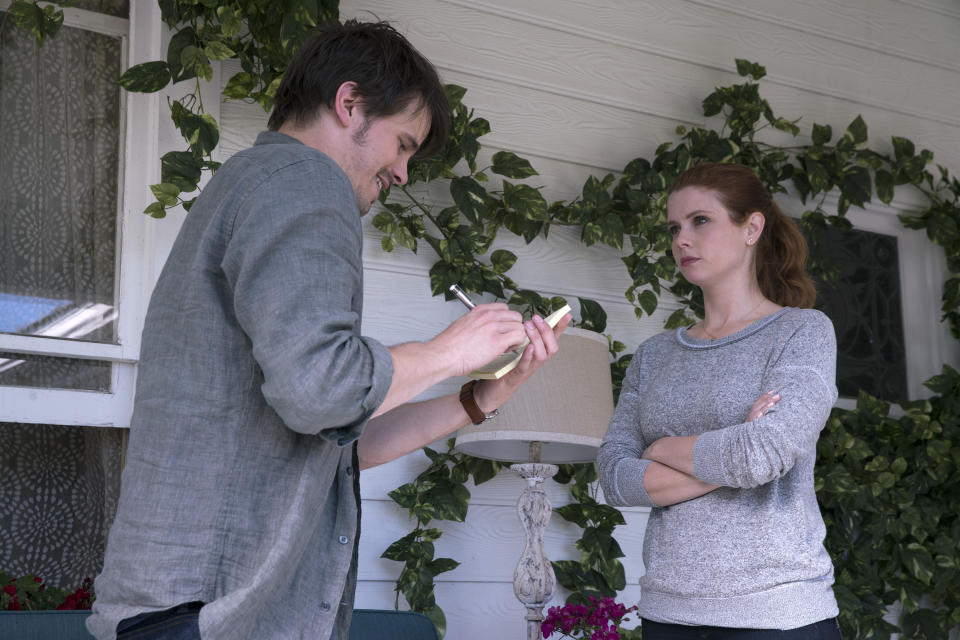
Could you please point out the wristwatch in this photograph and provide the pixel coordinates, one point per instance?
(477, 416)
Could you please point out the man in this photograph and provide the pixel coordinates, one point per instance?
(258, 401)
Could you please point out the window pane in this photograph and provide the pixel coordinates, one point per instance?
(47, 372)
(863, 301)
(58, 494)
(59, 155)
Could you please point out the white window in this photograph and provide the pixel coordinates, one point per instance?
(910, 310)
(76, 157)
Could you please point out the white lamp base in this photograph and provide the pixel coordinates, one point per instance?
(533, 579)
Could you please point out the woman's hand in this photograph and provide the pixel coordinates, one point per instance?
(763, 404)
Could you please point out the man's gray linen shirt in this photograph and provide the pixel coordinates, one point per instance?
(240, 488)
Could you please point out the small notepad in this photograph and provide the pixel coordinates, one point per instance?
(505, 363)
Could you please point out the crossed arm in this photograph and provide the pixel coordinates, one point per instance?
(669, 477)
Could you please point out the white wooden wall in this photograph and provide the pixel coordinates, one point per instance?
(581, 87)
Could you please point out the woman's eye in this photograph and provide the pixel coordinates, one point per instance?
(701, 220)
(673, 230)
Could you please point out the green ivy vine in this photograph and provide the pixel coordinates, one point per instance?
(439, 492)
(889, 487)
(889, 491)
(598, 572)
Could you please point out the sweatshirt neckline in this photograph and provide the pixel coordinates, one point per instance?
(684, 338)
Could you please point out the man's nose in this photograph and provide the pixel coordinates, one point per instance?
(399, 173)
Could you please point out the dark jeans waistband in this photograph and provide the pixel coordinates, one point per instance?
(181, 622)
(823, 630)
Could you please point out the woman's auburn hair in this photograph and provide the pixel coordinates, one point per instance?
(781, 254)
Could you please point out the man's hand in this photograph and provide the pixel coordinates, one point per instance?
(543, 344)
(398, 428)
(477, 337)
(471, 341)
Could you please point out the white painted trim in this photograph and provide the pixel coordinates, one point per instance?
(141, 168)
(72, 408)
(98, 22)
(61, 347)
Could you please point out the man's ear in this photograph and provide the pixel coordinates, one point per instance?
(346, 104)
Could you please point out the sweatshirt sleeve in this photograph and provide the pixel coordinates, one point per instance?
(294, 266)
(619, 465)
(756, 452)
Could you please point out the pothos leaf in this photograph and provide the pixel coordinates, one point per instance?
(147, 77)
(592, 315)
(510, 165)
(470, 197)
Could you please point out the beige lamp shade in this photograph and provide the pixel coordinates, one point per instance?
(565, 406)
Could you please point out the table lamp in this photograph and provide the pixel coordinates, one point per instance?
(558, 416)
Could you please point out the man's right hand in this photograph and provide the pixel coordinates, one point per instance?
(477, 337)
(471, 341)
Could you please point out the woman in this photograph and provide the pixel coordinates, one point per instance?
(717, 425)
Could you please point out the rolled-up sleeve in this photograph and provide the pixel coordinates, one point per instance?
(754, 453)
(619, 466)
(297, 279)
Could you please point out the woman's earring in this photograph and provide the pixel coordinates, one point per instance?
(750, 241)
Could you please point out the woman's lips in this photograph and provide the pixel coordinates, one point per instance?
(687, 260)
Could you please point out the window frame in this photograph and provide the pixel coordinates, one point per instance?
(141, 41)
(922, 270)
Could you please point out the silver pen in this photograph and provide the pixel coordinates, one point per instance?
(462, 296)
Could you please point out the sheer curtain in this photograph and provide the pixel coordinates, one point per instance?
(59, 160)
(58, 492)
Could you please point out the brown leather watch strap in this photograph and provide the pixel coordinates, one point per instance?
(477, 416)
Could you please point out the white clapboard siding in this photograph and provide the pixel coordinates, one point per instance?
(580, 88)
(886, 26)
(711, 36)
(487, 544)
(678, 50)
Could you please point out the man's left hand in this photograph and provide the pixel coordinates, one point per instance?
(543, 345)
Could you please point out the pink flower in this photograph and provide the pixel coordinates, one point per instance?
(596, 621)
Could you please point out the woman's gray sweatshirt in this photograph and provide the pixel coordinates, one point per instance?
(749, 554)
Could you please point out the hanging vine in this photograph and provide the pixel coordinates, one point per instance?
(438, 493)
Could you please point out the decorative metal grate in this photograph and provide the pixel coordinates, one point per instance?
(859, 289)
